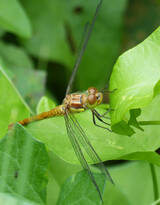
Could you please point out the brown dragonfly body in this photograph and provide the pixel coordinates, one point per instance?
(75, 102)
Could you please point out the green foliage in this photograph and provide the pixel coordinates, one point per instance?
(124, 193)
(79, 189)
(140, 188)
(140, 65)
(14, 19)
(39, 40)
(7, 199)
(19, 178)
(60, 21)
(17, 65)
(12, 106)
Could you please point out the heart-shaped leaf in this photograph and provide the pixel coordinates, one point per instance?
(135, 76)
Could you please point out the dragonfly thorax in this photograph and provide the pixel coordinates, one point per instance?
(75, 102)
(78, 102)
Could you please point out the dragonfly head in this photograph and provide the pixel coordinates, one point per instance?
(94, 97)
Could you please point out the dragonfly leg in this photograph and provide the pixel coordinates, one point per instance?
(94, 114)
(112, 91)
(105, 113)
(98, 116)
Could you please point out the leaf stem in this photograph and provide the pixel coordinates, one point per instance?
(155, 183)
(149, 122)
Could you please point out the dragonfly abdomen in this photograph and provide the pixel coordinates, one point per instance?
(57, 111)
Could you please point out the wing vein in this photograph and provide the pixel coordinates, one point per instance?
(89, 148)
(78, 151)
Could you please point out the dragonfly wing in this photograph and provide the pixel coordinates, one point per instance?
(73, 136)
(84, 141)
(88, 32)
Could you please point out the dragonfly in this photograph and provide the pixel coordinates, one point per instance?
(76, 103)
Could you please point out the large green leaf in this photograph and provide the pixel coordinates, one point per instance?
(131, 178)
(12, 106)
(60, 20)
(80, 189)
(14, 19)
(108, 145)
(23, 165)
(59, 170)
(61, 165)
(28, 81)
(135, 76)
(52, 187)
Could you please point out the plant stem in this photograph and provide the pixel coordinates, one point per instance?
(149, 122)
(155, 183)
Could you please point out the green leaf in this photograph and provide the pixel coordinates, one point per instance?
(108, 145)
(52, 187)
(135, 75)
(45, 104)
(61, 22)
(1, 32)
(133, 121)
(19, 67)
(14, 19)
(7, 199)
(80, 189)
(114, 195)
(23, 165)
(157, 88)
(12, 106)
(15, 56)
(126, 191)
(149, 156)
(61, 165)
(131, 178)
(57, 176)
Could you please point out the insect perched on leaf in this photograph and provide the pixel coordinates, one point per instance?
(79, 102)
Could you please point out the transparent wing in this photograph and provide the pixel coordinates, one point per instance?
(88, 32)
(83, 140)
(78, 137)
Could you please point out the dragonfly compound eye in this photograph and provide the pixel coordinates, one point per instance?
(92, 99)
